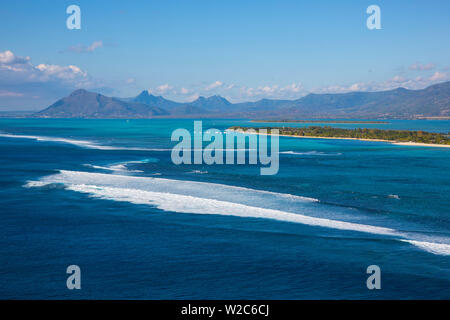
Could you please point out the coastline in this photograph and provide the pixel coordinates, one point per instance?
(399, 143)
(321, 121)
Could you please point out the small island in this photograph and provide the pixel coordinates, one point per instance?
(324, 121)
(402, 137)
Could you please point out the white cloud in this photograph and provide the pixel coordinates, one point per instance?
(293, 88)
(162, 89)
(4, 93)
(292, 91)
(232, 92)
(390, 84)
(438, 76)
(83, 49)
(20, 69)
(214, 85)
(193, 97)
(60, 72)
(95, 45)
(421, 67)
(398, 79)
(355, 87)
(183, 90)
(19, 77)
(8, 58)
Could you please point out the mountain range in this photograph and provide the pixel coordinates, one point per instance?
(400, 103)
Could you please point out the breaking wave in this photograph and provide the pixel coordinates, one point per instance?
(311, 153)
(196, 198)
(190, 204)
(79, 143)
(432, 247)
(121, 166)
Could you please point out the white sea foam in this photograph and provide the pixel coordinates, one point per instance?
(189, 204)
(79, 143)
(95, 145)
(113, 167)
(195, 188)
(198, 171)
(310, 153)
(432, 247)
(196, 197)
(121, 166)
(98, 167)
(34, 184)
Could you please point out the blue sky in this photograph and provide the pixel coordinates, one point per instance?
(242, 50)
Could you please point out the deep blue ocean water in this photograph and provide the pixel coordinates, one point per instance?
(104, 195)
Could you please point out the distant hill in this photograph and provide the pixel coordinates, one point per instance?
(399, 103)
(84, 104)
(157, 101)
(212, 104)
(202, 105)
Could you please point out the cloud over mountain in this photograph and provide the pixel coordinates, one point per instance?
(25, 83)
(34, 83)
(398, 103)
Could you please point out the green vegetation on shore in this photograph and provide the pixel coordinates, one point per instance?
(321, 121)
(375, 134)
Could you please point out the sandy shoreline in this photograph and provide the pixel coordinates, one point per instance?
(399, 143)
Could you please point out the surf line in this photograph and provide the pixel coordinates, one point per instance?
(213, 153)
